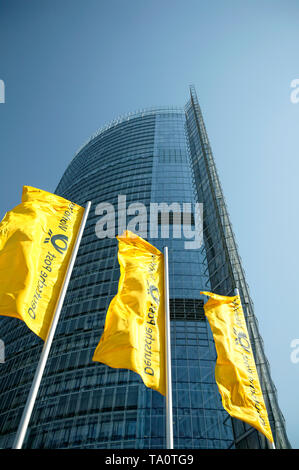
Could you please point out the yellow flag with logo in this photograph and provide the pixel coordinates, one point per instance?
(36, 241)
(235, 372)
(134, 332)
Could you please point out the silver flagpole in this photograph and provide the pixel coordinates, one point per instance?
(169, 418)
(271, 444)
(19, 439)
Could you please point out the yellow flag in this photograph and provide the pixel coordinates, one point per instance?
(133, 336)
(36, 241)
(235, 372)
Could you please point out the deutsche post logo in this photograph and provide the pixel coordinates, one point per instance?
(242, 340)
(59, 241)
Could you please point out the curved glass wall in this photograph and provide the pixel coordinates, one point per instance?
(148, 157)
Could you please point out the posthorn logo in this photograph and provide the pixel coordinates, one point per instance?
(59, 241)
(242, 340)
(154, 292)
(2, 91)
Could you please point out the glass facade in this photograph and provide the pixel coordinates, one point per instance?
(154, 156)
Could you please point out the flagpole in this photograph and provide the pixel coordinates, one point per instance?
(271, 444)
(21, 432)
(169, 417)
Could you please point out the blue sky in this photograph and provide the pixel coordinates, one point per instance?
(70, 66)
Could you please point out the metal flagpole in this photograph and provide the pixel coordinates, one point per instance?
(169, 418)
(271, 444)
(48, 342)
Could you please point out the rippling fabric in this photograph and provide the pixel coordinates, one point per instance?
(36, 241)
(235, 372)
(134, 332)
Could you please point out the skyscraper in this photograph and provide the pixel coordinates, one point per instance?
(152, 156)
